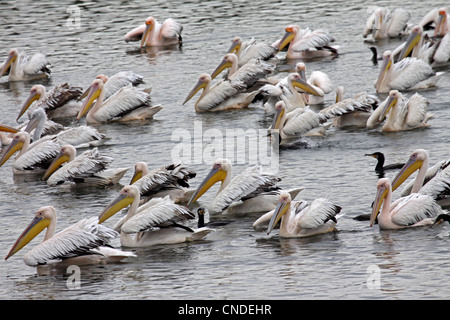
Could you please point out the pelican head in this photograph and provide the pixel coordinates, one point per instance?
(12, 56)
(296, 80)
(228, 61)
(383, 188)
(300, 68)
(219, 172)
(280, 111)
(125, 198)
(44, 216)
(149, 25)
(416, 161)
(386, 65)
(203, 81)
(291, 32)
(284, 204)
(19, 140)
(102, 77)
(66, 154)
(94, 92)
(37, 92)
(442, 25)
(411, 42)
(140, 170)
(236, 44)
(393, 98)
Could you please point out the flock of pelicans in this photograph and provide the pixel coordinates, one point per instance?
(159, 200)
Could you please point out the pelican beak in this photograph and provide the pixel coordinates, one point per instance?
(305, 86)
(410, 166)
(84, 95)
(136, 176)
(33, 96)
(94, 93)
(216, 174)
(279, 211)
(7, 64)
(15, 145)
(148, 28)
(379, 198)
(287, 38)
(389, 104)
(412, 41)
(32, 124)
(200, 84)
(122, 201)
(222, 66)
(5, 128)
(277, 118)
(441, 23)
(56, 163)
(34, 228)
(235, 47)
(384, 68)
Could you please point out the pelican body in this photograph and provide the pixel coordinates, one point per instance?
(156, 222)
(154, 33)
(83, 243)
(23, 68)
(386, 24)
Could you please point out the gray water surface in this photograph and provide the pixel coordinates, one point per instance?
(234, 262)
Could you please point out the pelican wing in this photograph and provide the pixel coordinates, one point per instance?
(409, 72)
(79, 135)
(312, 39)
(316, 214)
(439, 186)
(398, 22)
(429, 18)
(135, 34)
(75, 240)
(256, 50)
(171, 29)
(39, 156)
(300, 121)
(414, 208)
(413, 111)
(243, 185)
(59, 96)
(158, 212)
(252, 71)
(362, 102)
(431, 173)
(442, 54)
(219, 93)
(121, 79)
(36, 64)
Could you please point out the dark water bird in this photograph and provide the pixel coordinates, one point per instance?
(375, 57)
(201, 220)
(441, 218)
(380, 168)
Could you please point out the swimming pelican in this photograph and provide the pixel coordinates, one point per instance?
(250, 191)
(380, 168)
(319, 80)
(116, 82)
(410, 211)
(384, 23)
(252, 49)
(127, 104)
(223, 95)
(304, 43)
(23, 68)
(290, 90)
(434, 52)
(249, 73)
(302, 219)
(154, 33)
(406, 74)
(88, 169)
(5, 140)
(169, 180)
(441, 20)
(60, 102)
(434, 181)
(156, 222)
(83, 243)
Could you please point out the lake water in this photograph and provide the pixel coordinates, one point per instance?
(234, 262)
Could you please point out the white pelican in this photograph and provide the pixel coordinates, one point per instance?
(404, 114)
(290, 90)
(295, 123)
(116, 82)
(154, 33)
(156, 222)
(83, 243)
(319, 80)
(439, 18)
(249, 73)
(434, 52)
(384, 23)
(169, 180)
(380, 168)
(410, 211)
(127, 104)
(304, 43)
(23, 68)
(88, 169)
(351, 111)
(5, 140)
(250, 191)
(406, 74)
(224, 95)
(252, 49)
(60, 102)
(300, 218)
(433, 181)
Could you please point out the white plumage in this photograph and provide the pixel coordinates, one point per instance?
(22, 68)
(251, 49)
(383, 23)
(154, 33)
